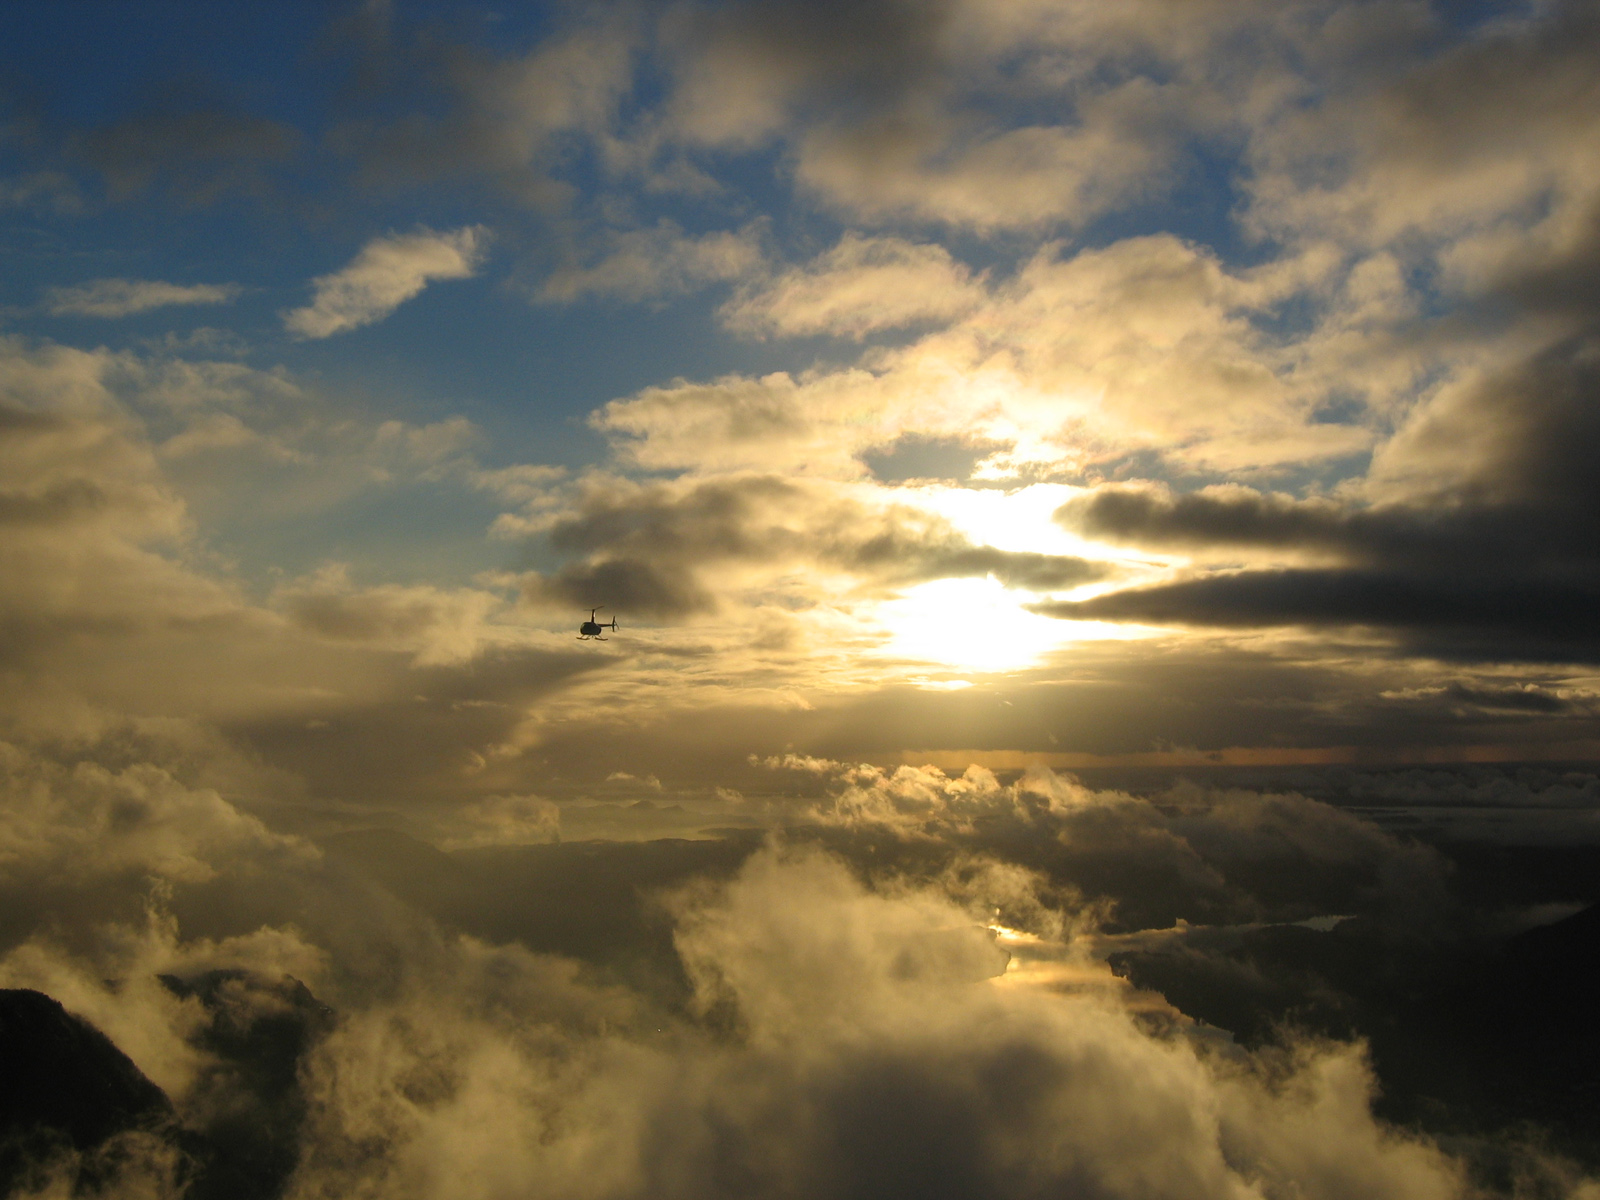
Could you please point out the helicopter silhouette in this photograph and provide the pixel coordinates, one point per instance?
(591, 628)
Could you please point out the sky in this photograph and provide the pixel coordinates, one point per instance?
(970, 411)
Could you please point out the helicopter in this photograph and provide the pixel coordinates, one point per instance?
(591, 628)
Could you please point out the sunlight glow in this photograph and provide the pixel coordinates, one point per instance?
(1015, 520)
(968, 624)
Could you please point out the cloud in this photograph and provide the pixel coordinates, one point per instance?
(116, 622)
(1029, 178)
(1223, 514)
(1485, 786)
(1221, 520)
(122, 634)
(834, 1017)
(388, 272)
(504, 820)
(311, 685)
(1208, 855)
(124, 297)
(71, 826)
(1503, 435)
(1487, 619)
(742, 72)
(893, 111)
(645, 264)
(439, 625)
(670, 549)
(87, 517)
(47, 190)
(884, 109)
(434, 109)
(1417, 147)
(843, 1025)
(862, 1031)
(1076, 363)
(201, 152)
(861, 286)
(370, 721)
(1528, 698)
(90, 857)
(99, 539)
(851, 1042)
(1481, 542)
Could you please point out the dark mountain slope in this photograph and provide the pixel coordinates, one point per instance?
(64, 1086)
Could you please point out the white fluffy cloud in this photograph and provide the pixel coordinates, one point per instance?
(388, 272)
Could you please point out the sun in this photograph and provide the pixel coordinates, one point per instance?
(967, 625)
